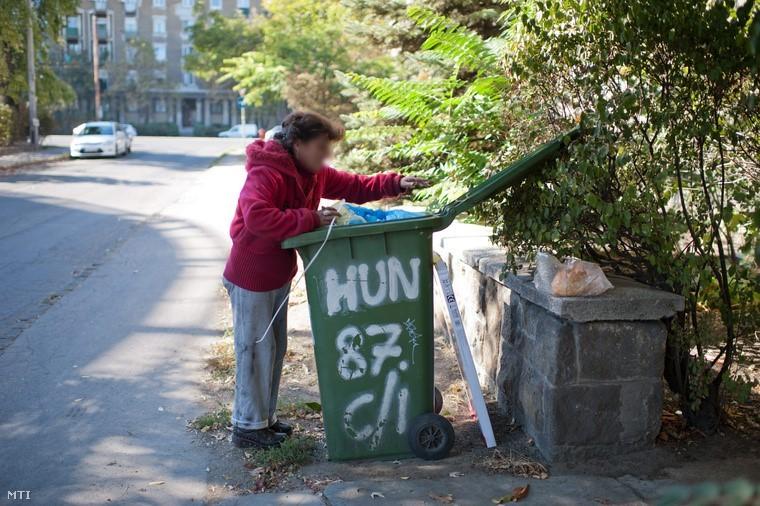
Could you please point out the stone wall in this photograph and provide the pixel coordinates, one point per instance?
(581, 375)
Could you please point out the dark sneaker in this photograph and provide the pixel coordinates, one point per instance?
(282, 428)
(256, 438)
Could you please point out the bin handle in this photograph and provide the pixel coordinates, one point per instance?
(512, 174)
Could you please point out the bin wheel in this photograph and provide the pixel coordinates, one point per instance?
(430, 436)
(438, 402)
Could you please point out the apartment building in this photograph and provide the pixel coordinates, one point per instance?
(176, 96)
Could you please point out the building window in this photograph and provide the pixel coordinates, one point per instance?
(74, 48)
(159, 49)
(159, 3)
(217, 107)
(130, 26)
(159, 25)
(215, 4)
(186, 25)
(188, 3)
(130, 6)
(132, 76)
(244, 4)
(159, 105)
(103, 28)
(188, 79)
(130, 52)
(104, 53)
(131, 105)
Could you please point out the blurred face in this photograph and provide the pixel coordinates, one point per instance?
(314, 153)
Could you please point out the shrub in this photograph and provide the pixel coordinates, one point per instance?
(6, 124)
(158, 129)
(663, 184)
(200, 130)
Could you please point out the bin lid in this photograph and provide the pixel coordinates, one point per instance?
(514, 173)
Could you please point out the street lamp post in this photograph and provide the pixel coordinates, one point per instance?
(241, 102)
(34, 123)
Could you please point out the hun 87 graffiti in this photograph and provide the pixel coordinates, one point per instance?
(352, 364)
(374, 349)
(393, 285)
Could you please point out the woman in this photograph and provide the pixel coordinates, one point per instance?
(287, 176)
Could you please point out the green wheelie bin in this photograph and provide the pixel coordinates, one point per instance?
(370, 293)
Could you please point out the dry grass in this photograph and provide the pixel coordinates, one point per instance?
(514, 463)
(221, 361)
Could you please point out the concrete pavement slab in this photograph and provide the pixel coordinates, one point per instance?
(480, 490)
(282, 499)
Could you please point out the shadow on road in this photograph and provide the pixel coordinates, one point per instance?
(97, 389)
(21, 177)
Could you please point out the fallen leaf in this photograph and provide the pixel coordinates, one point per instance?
(377, 495)
(516, 494)
(156, 482)
(446, 498)
(314, 406)
(456, 474)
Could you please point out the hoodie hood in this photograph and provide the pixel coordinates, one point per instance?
(270, 154)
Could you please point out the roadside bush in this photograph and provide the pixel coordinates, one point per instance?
(661, 187)
(158, 129)
(6, 125)
(200, 130)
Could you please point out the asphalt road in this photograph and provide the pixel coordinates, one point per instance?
(110, 274)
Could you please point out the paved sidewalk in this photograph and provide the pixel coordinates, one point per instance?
(471, 489)
(42, 155)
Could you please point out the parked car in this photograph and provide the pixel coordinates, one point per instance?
(99, 138)
(131, 134)
(272, 131)
(247, 130)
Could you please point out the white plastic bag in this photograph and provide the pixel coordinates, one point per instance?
(573, 278)
(547, 266)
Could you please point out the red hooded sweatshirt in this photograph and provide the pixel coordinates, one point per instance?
(279, 200)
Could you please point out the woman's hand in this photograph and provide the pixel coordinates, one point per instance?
(409, 183)
(326, 215)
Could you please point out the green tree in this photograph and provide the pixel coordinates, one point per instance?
(216, 38)
(139, 78)
(49, 16)
(303, 44)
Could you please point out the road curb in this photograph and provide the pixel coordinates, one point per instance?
(24, 163)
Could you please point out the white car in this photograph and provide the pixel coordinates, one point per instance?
(99, 138)
(247, 130)
(131, 134)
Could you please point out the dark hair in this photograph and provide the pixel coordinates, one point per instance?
(304, 126)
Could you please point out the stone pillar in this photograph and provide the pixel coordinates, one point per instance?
(198, 112)
(178, 111)
(206, 111)
(583, 375)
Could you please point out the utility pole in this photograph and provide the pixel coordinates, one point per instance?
(34, 123)
(95, 65)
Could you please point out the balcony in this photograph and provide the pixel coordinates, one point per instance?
(72, 34)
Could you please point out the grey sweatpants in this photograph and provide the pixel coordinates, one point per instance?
(258, 366)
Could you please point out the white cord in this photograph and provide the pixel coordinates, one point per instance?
(285, 300)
